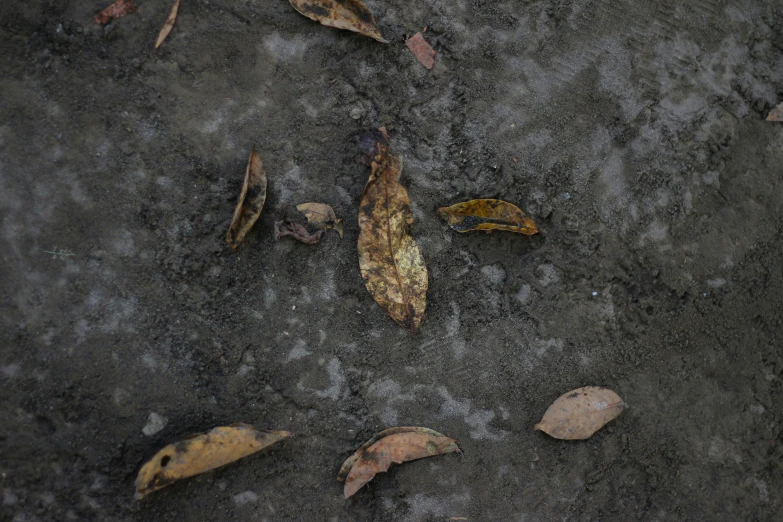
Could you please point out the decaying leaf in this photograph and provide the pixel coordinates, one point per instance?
(391, 263)
(580, 413)
(352, 15)
(392, 446)
(202, 452)
(251, 201)
(287, 227)
(322, 216)
(776, 114)
(421, 50)
(118, 9)
(168, 25)
(369, 142)
(488, 214)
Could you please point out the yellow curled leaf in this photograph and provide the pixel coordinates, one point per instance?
(251, 201)
(390, 261)
(351, 15)
(580, 413)
(202, 452)
(488, 214)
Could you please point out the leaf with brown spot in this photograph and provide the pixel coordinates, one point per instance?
(287, 227)
(351, 15)
(488, 214)
(393, 446)
(390, 261)
(251, 201)
(116, 10)
(168, 25)
(580, 413)
(202, 452)
(421, 50)
(322, 216)
(776, 114)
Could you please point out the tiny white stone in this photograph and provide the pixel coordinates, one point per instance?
(155, 423)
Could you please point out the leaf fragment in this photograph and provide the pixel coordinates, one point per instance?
(488, 214)
(393, 446)
(251, 201)
(322, 216)
(287, 227)
(580, 413)
(776, 114)
(202, 452)
(351, 15)
(168, 25)
(421, 50)
(116, 10)
(390, 261)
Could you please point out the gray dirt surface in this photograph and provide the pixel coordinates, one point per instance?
(632, 132)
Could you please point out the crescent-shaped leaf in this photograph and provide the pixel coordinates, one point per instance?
(580, 413)
(351, 15)
(390, 261)
(202, 452)
(392, 446)
(488, 214)
(251, 201)
(168, 25)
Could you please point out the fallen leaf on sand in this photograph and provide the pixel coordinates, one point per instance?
(580, 413)
(322, 216)
(168, 25)
(251, 201)
(487, 214)
(352, 15)
(202, 452)
(287, 227)
(392, 446)
(421, 50)
(776, 114)
(118, 9)
(391, 263)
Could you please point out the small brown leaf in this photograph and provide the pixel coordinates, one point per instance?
(580, 413)
(322, 216)
(287, 227)
(168, 25)
(392, 446)
(202, 452)
(352, 15)
(391, 263)
(488, 214)
(251, 201)
(118, 9)
(421, 50)
(776, 114)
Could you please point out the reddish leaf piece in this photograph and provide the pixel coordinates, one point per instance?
(287, 227)
(118, 9)
(421, 50)
(580, 413)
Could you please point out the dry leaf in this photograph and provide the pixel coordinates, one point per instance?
(287, 227)
(776, 114)
(168, 25)
(421, 50)
(352, 15)
(395, 445)
(580, 413)
(118, 9)
(370, 142)
(391, 263)
(202, 452)
(487, 214)
(322, 216)
(251, 201)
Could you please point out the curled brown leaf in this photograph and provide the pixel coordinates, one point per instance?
(321, 215)
(287, 227)
(351, 15)
(251, 201)
(118, 9)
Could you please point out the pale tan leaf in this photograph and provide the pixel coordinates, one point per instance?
(580, 413)
(322, 216)
(168, 25)
(351, 15)
(776, 114)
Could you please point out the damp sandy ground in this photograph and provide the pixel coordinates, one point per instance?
(632, 132)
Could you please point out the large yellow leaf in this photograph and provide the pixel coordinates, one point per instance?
(580, 413)
(352, 15)
(251, 201)
(202, 452)
(391, 263)
(488, 214)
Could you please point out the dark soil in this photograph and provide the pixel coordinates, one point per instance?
(632, 132)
